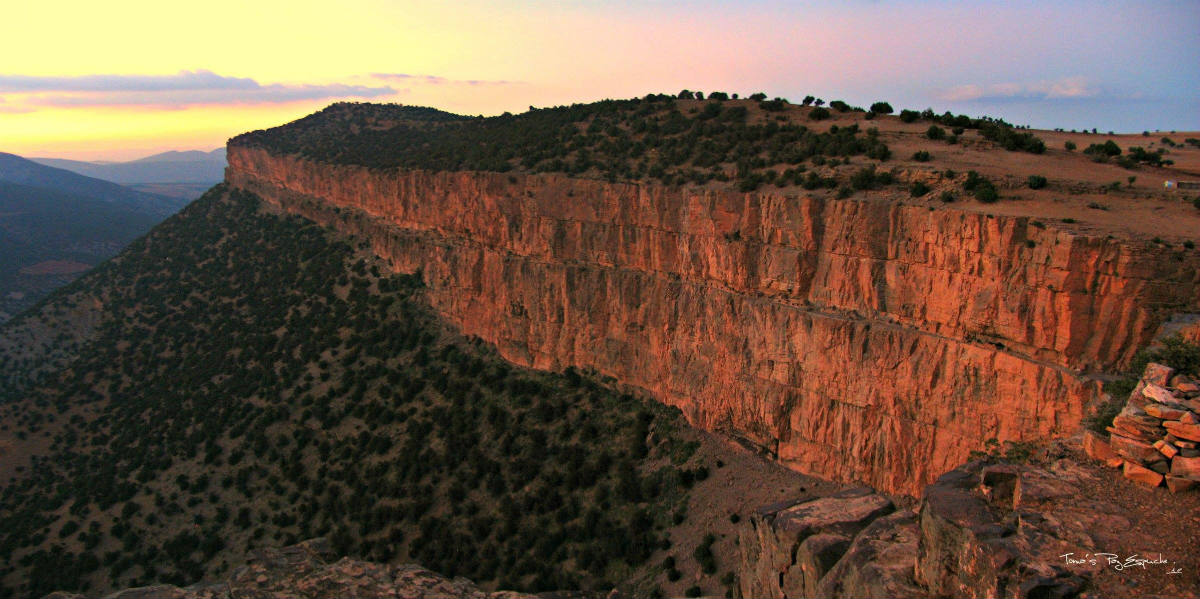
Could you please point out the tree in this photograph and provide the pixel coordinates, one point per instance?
(758, 97)
(808, 100)
(881, 108)
(819, 114)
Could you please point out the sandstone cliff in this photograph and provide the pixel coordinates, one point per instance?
(854, 340)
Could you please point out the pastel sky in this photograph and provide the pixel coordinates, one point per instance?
(125, 78)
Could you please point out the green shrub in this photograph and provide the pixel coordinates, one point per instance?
(947, 196)
(935, 133)
(693, 591)
(921, 156)
(1036, 181)
(819, 114)
(881, 108)
(1070, 146)
(918, 189)
(839, 106)
(909, 116)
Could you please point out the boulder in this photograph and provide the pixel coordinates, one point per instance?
(1178, 484)
(1166, 449)
(1133, 450)
(1157, 374)
(1159, 394)
(1142, 475)
(1165, 412)
(1191, 432)
(879, 563)
(1186, 467)
(1097, 447)
(786, 548)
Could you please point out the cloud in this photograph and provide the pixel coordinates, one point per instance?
(436, 80)
(183, 89)
(1067, 87)
(183, 80)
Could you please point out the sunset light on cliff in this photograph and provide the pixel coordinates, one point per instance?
(118, 80)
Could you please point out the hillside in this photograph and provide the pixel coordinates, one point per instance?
(249, 379)
(175, 167)
(55, 224)
(15, 169)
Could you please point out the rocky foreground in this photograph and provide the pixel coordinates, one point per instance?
(305, 570)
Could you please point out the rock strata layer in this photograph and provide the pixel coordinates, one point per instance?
(853, 340)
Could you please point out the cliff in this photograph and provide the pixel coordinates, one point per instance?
(853, 339)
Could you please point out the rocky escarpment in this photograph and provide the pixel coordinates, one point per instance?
(982, 530)
(855, 340)
(307, 570)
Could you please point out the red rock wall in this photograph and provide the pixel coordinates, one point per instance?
(855, 338)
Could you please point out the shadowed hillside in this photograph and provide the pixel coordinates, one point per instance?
(251, 380)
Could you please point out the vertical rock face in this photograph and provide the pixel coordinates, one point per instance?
(854, 340)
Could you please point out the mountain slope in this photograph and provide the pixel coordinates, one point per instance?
(15, 169)
(48, 237)
(249, 379)
(167, 167)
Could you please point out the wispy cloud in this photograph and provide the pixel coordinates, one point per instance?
(183, 89)
(1067, 87)
(436, 80)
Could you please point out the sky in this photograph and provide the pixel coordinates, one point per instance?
(122, 79)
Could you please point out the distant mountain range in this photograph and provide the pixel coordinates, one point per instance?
(192, 166)
(55, 224)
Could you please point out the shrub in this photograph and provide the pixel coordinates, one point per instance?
(1196, 203)
(918, 189)
(881, 108)
(1036, 181)
(935, 133)
(693, 591)
(986, 194)
(947, 196)
(1070, 146)
(819, 114)
(909, 116)
(839, 106)
(921, 156)
(1104, 150)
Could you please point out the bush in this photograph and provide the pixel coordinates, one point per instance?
(986, 194)
(693, 591)
(1070, 146)
(839, 106)
(935, 133)
(1036, 181)
(947, 196)
(881, 108)
(921, 156)
(1196, 203)
(909, 116)
(819, 114)
(918, 189)
(1107, 149)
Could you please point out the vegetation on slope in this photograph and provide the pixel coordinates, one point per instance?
(633, 139)
(254, 381)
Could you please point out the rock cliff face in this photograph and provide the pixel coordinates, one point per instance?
(854, 340)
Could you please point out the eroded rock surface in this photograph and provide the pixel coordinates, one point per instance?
(981, 530)
(305, 570)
